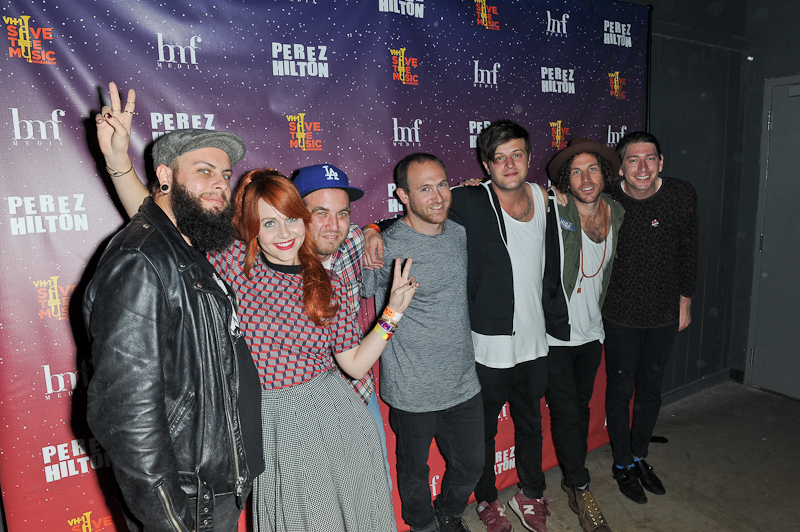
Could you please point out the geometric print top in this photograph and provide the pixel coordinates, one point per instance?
(287, 347)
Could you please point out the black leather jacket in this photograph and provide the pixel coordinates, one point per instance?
(165, 397)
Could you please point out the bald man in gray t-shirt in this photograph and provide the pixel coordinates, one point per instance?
(428, 367)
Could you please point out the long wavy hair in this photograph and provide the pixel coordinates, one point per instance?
(276, 190)
(609, 179)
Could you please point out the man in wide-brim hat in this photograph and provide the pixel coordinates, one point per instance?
(584, 232)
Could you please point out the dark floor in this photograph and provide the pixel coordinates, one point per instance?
(731, 464)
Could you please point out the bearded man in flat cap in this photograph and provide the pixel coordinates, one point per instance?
(175, 396)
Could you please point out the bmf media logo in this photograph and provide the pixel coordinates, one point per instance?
(73, 458)
(486, 15)
(52, 214)
(406, 135)
(67, 383)
(616, 83)
(559, 133)
(163, 123)
(409, 8)
(394, 204)
(34, 132)
(475, 127)
(302, 133)
(85, 523)
(401, 67)
(615, 136)
(27, 42)
(558, 80)
(178, 56)
(616, 34)
(556, 27)
(299, 60)
(485, 78)
(53, 298)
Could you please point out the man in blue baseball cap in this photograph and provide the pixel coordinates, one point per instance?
(327, 193)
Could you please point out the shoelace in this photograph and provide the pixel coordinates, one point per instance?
(492, 514)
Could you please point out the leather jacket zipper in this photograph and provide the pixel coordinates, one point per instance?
(184, 404)
(170, 510)
(227, 398)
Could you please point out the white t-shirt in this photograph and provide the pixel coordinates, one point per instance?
(526, 250)
(585, 319)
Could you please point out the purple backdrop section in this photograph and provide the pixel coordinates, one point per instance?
(358, 84)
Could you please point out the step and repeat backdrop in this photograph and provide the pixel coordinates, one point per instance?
(358, 84)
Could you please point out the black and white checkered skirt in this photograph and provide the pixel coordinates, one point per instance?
(324, 464)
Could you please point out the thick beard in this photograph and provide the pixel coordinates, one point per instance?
(207, 229)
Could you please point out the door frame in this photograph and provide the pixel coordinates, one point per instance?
(769, 85)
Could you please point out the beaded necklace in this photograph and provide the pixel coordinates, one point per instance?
(605, 246)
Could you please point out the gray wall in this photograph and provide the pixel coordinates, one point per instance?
(706, 99)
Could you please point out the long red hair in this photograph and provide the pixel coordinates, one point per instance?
(276, 190)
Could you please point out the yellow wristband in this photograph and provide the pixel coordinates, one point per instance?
(384, 329)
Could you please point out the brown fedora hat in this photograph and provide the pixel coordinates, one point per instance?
(578, 146)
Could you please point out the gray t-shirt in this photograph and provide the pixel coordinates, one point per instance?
(429, 363)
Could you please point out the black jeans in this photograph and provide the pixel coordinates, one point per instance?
(635, 360)
(571, 371)
(459, 434)
(523, 387)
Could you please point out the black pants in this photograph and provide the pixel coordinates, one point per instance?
(459, 434)
(571, 371)
(635, 360)
(523, 387)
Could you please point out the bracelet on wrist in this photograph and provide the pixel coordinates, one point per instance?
(392, 316)
(385, 329)
(114, 173)
(374, 227)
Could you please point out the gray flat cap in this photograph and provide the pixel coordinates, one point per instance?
(181, 141)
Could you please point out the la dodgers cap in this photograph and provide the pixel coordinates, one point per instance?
(176, 143)
(321, 176)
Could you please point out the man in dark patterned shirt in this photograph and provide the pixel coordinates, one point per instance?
(327, 193)
(648, 302)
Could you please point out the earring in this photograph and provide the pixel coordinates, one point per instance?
(165, 188)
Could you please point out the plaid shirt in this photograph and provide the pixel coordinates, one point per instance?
(347, 264)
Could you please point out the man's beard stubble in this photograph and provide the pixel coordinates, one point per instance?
(207, 229)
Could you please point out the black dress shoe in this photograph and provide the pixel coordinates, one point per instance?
(648, 478)
(629, 484)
